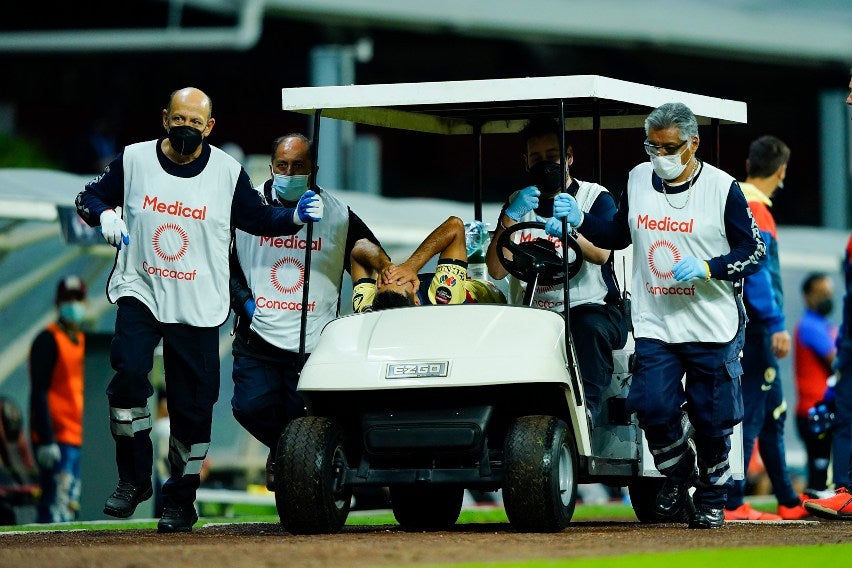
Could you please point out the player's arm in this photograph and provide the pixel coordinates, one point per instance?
(367, 260)
(447, 241)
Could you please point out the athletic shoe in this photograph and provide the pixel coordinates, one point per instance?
(122, 503)
(817, 494)
(745, 513)
(838, 506)
(707, 517)
(794, 513)
(671, 499)
(177, 518)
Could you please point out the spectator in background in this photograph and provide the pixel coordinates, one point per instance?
(766, 341)
(813, 357)
(56, 404)
(839, 505)
(18, 475)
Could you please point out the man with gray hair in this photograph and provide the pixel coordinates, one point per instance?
(694, 240)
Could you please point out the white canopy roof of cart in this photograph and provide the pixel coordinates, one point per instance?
(502, 105)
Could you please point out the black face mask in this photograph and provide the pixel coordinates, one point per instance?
(185, 139)
(547, 177)
(824, 307)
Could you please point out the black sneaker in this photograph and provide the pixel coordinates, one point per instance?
(707, 517)
(177, 518)
(122, 503)
(671, 499)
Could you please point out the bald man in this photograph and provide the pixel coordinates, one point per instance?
(180, 196)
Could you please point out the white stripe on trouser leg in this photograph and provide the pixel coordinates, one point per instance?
(673, 445)
(721, 467)
(190, 460)
(128, 421)
(673, 461)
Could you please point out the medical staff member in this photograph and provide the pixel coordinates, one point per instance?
(180, 197)
(267, 286)
(694, 240)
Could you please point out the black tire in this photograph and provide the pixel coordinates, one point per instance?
(426, 508)
(540, 486)
(310, 465)
(643, 496)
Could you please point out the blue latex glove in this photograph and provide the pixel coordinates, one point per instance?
(249, 307)
(689, 268)
(565, 206)
(114, 229)
(553, 227)
(309, 208)
(524, 201)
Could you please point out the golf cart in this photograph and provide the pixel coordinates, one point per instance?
(432, 400)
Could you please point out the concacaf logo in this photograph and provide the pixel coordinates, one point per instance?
(170, 242)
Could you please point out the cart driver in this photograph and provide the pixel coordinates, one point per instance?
(401, 286)
(597, 325)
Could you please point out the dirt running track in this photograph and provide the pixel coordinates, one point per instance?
(267, 544)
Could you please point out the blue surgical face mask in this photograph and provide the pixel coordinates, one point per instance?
(72, 312)
(289, 188)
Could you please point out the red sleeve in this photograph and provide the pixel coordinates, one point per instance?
(763, 217)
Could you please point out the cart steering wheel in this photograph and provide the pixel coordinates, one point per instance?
(536, 260)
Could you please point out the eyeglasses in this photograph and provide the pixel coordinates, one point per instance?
(665, 149)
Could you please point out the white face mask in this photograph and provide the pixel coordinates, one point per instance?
(289, 188)
(669, 167)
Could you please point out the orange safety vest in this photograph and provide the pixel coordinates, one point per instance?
(65, 396)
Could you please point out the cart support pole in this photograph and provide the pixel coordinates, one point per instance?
(715, 153)
(477, 172)
(597, 160)
(309, 236)
(566, 296)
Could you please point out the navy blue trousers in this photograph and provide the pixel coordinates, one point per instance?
(710, 396)
(191, 366)
(265, 397)
(596, 331)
